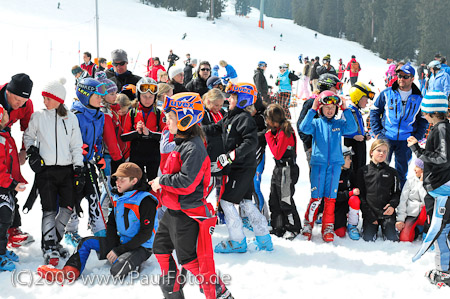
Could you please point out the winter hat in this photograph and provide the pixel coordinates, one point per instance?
(77, 70)
(20, 85)
(419, 163)
(110, 85)
(173, 71)
(284, 66)
(353, 56)
(55, 90)
(119, 55)
(327, 57)
(434, 101)
(128, 170)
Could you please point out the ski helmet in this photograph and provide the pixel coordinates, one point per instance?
(327, 81)
(347, 151)
(212, 81)
(145, 85)
(246, 93)
(262, 64)
(359, 90)
(188, 108)
(328, 97)
(434, 65)
(87, 87)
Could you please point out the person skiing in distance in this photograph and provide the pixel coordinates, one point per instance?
(53, 136)
(353, 67)
(187, 224)
(326, 158)
(341, 69)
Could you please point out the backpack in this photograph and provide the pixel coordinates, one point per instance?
(354, 67)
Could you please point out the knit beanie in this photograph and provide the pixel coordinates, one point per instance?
(327, 57)
(110, 85)
(173, 71)
(434, 101)
(119, 55)
(55, 90)
(419, 163)
(20, 85)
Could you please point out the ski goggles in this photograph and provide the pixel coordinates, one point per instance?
(148, 87)
(188, 108)
(246, 93)
(331, 100)
(99, 89)
(119, 63)
(370, 94)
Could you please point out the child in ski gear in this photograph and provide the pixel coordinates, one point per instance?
(130, 233)
(379, 193)
(15, 99)
(284, 83)
(346, 211)
(360, 94)
(11, 182)
(124, 105)
(326, 158)
(411, 212)
(53, 136)
(280, 137)
(143, 128)
(436, 180)
(91, 121)
(239, 135)
(188, 221)
(231, 72)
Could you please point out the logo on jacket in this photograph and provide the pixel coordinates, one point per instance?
(146, 222)
(385, 175)
(335, 129)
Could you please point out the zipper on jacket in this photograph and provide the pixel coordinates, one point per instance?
(56, 137)
(64, 123)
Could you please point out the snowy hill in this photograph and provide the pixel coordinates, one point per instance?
(39, 39)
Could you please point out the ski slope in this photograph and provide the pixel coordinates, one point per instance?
(44, 42)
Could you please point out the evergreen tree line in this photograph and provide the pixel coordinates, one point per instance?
(192, 7)
(398, 29)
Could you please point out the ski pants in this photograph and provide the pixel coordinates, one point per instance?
(353, 80)
(92, 193)
(403, 156)
(325, 180)
(257, 181)
(346, 212)
(7, 206)
(284, 213)
(305, 88)
(125, 263)
(284, 99)
(408, 233)
(370, 230)
(359, 159)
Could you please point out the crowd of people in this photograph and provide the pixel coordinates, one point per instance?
(146, 152)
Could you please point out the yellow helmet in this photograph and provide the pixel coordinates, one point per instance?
(360, 90)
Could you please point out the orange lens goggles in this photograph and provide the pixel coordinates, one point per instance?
(152, 88)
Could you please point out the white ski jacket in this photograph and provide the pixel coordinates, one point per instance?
(58, 138)
(412, 199)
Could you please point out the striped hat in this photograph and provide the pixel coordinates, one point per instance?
(434, 101)
(55, 90)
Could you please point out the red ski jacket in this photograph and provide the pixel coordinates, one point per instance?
(10, 174)
(279, 142)
(90, 68)
(111, 132)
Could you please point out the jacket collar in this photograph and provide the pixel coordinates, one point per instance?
(415, 89)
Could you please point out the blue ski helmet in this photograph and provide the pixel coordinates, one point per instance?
(246, 93)
(262, 64)
(87, 87)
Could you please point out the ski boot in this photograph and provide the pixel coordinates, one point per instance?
(17, 238)
(264, 242)
(72, 238)
(246, 223)
(6, 264)
(353, 232)
(307, 230)
(222, 292)
(52, 274)
(438, 278)
(12, 256)
(51, 256)
(63, 252)
(328, 232)
(231, 246)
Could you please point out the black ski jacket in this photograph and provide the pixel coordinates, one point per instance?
(197, 85)
(314, 74)
(261, 83)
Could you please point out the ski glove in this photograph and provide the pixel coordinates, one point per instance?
(225, 159)
(78, 179)
(100, 162)
(34, 159)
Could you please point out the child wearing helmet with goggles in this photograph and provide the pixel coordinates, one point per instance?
(239, 135)
(360, 94)
(189, 219)
(326, 158)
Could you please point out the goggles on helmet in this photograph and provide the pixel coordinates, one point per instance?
(331, 100)
(148, 87)
(370, 94)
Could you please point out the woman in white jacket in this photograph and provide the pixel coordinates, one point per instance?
(54, 147)
(411, 212)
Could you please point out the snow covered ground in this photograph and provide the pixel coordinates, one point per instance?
(39, 39)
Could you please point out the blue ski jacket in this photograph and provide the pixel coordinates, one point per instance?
(440, 82)
(231, 72)
(392, 120)
(357, 116)
(285, 82)
(327, 136)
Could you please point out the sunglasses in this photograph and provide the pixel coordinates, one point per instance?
(152, 88)
(119, 63)
(205, 70)
(404, 77)
(331, 100)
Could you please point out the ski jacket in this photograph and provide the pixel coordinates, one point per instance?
(353, 67)
(58, 138)
(231, 72)
(166, 146)
(89, 67)
(307, 70)
(172, 58)
(154, 71)
(91, 123)
(143, 147)
(440, 82)
(314, 67)
(341, 71)
(132, 221)
(306, 138)
(261, 83)
(327, 136)
(124, 145)
(187, 74)
(282, 147)
(261, 126)
(186, 175)
(111, 133)
(10, 175)
(284, 83)
(122, 79)
(197, 85)
(446, 68)
(324, 70)
(379, 185)
(177, 87)
(390, 71)
(395, 121)
(411, 199)
(214, 141)
(435, 156)
(357, 116)
(346, 185)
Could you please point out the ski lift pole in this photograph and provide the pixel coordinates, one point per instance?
(137, 58)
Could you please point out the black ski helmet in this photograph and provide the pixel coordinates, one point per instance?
(326, 81)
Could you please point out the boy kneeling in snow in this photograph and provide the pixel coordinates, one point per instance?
(129, 234)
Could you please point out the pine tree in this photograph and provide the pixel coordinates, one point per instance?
(352, 19)
(192, 8)
(242, 7)
(328, 18)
